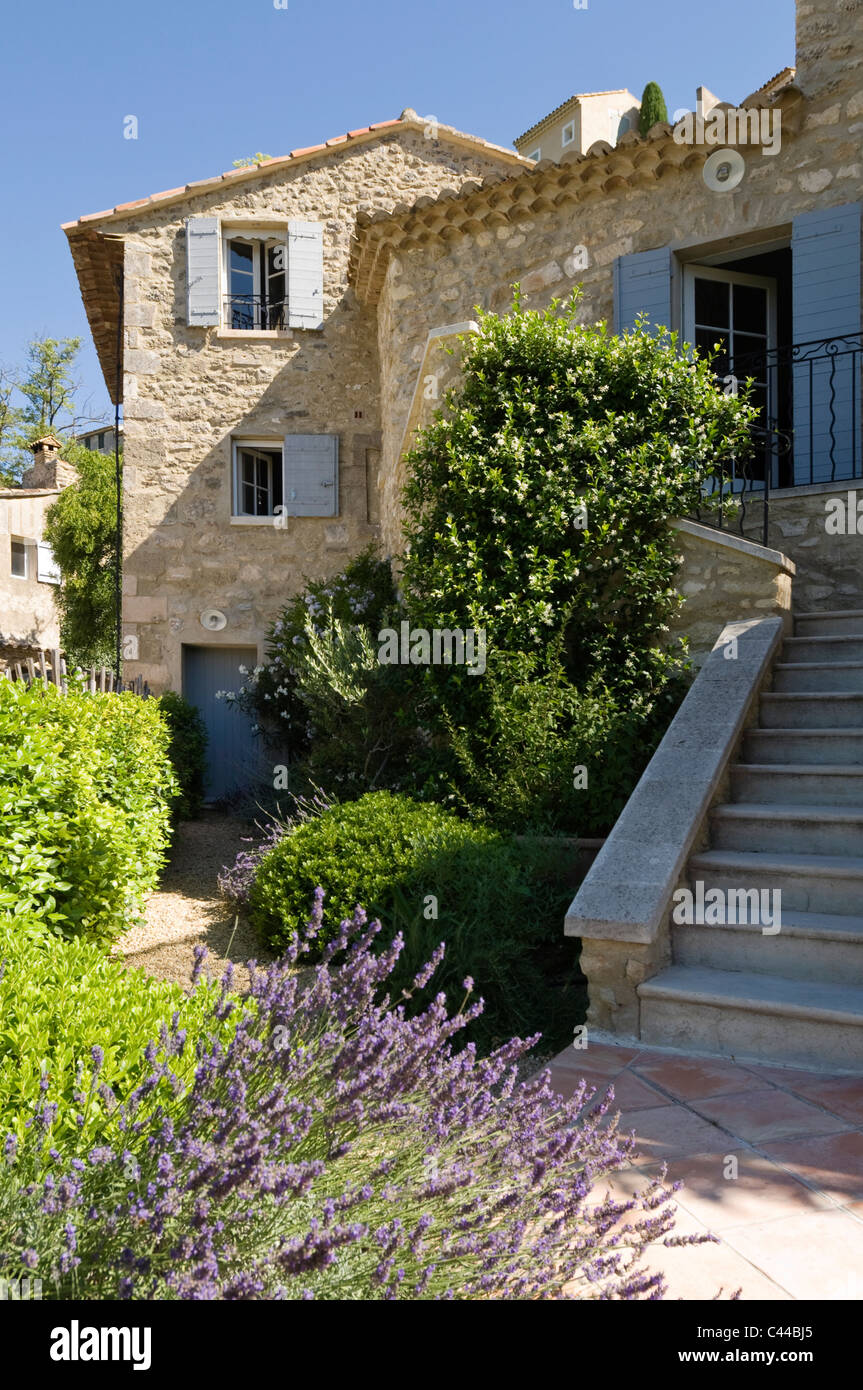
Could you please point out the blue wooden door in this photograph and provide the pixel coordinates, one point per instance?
(233, 751)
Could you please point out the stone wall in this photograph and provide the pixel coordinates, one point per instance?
(189, 391)
(829, 562)
(723, 579)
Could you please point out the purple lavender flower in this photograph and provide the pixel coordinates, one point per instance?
(368, 1157)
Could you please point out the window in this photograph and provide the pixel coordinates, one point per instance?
(274, 480)
(255, 281)
(257, 480)
(537, 155)
(568, 134)
(19, 559)
(101, 443)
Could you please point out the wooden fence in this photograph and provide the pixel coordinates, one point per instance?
(50, 669)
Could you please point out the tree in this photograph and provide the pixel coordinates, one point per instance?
(10, 423)
(252, 159)
(48, 388)
(80, 528)
(653, 108)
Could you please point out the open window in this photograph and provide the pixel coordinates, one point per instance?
(297, 477)
(254, 276)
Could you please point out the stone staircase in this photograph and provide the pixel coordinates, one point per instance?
(794, 823)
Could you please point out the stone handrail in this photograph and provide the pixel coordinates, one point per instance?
(621, 909)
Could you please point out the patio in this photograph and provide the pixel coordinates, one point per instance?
(791, 1222)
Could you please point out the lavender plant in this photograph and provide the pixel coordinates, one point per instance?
(235, 880)
(338, 1148)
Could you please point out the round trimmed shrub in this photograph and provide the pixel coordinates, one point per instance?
(496, 902)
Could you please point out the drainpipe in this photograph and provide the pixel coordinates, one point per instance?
(118, 543)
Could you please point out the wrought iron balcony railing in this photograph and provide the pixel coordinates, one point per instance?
(254, 312)
(808, 431)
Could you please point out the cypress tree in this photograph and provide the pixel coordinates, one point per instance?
(653, 108)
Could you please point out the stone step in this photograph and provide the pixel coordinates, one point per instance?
(815, 747)
(746, 1015)
(820, 676)
(829, 710)
(844, 622)
(822, 883)
(825, 648)
(788, 829)
(809, 946)
(799, 784)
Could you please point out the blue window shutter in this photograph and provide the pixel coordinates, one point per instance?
(203, 276)
(642, 285)
(825, 251)
(311, 474)
(305, 275)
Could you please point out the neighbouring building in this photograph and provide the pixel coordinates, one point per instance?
(579, 123)
(277, 320)
(100, 438)
(28, 575)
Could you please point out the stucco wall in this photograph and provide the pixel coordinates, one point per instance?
(28, 614)
(188, 391)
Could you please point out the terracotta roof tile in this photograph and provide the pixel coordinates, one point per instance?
(637, 160)
(255, 170)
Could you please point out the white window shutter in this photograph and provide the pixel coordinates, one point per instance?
(47, 569)
(311, 474)
(305, 275)
(203, 277)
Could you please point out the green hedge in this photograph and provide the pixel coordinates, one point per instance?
(85, 790)
(500, 904)
(59, 999)
(187, 750)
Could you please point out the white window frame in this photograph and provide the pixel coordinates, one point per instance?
(564, 140)
(537, 154)
(47, 569)
(729, 275)
(20, 540)
(271, 446)
(271, 235)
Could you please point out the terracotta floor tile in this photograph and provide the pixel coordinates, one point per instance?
(698, 1272)
(819, 1255)
(668, 1132)
(761, 1191)
(832, 1163)
(630, 1093)
(787, 1077)
(602, 1057)
(689, 1078)
(762, 1115)
(843, 1096)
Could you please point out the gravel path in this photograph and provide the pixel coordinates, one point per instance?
(187, 908)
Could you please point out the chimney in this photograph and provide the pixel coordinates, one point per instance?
(48, 470)
(829, 45)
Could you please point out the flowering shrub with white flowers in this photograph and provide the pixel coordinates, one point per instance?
(362, 595)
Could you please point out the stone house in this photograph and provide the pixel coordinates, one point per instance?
(279, 325)
(251, 392)
(277, 319)
(29, 620)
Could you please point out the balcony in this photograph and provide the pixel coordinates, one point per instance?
(808, 431)
(253, 313)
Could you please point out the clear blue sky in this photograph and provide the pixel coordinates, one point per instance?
(216, 80)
